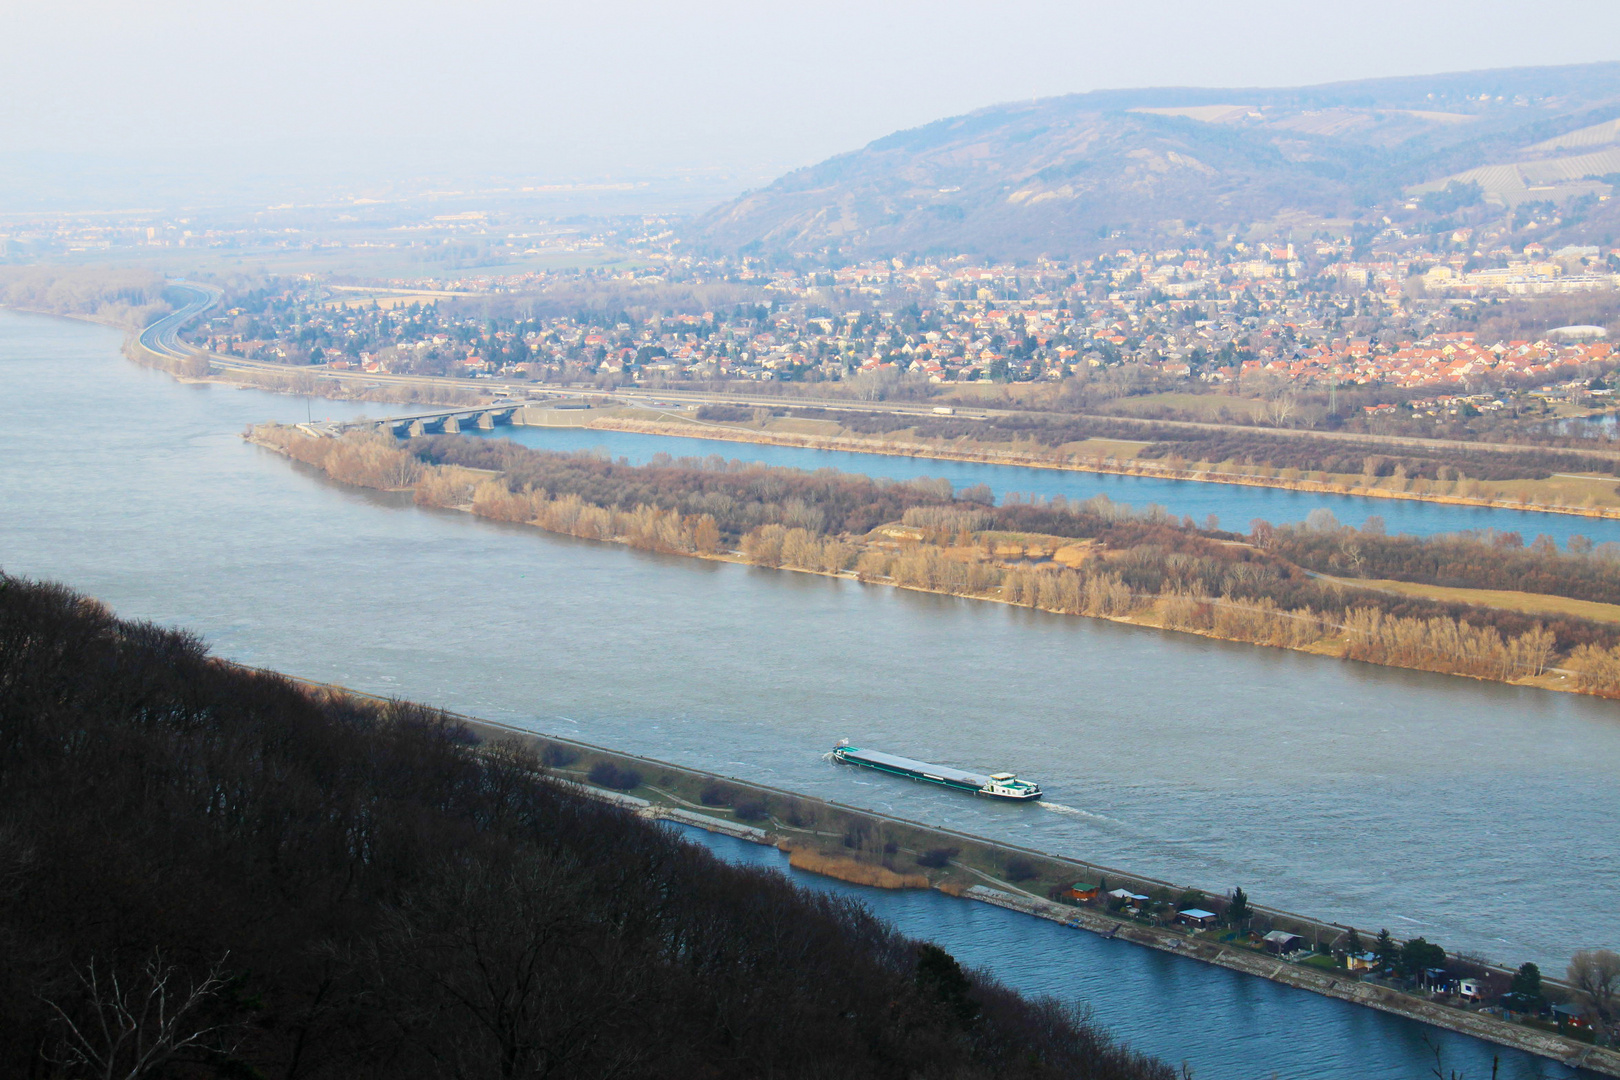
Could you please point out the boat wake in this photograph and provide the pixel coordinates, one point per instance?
(1059, 808)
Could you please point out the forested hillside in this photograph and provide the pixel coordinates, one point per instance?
(1072, 175)
(207, 872)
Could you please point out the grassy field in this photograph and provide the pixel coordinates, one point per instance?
(1568, 489)
(1044, 395)
(790, 425)
(1117, 448)
(992, 394)
(795, 426)
(1530, 603)
(1560, 489)
(1211, 407)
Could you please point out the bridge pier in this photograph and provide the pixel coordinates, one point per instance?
(452, 423)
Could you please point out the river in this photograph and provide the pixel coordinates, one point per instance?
(1235, 506)
(1478, 815)
(1219, 1022)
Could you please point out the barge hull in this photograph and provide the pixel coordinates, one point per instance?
(915, 770)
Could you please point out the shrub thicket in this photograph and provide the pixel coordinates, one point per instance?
(609, 775)
(1466, 560)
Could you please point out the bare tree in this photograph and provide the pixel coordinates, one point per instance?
(1595, 974)
(1350, 549)
(130, 1026)
(1282, 409)
(504, 968)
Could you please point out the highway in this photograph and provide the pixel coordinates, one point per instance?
(162, 336)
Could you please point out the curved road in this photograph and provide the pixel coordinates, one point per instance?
(162, 336)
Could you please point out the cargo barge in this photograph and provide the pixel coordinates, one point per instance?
(996, 785)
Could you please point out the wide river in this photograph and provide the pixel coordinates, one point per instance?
(1481, 816)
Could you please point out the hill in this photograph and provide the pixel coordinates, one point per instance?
(1068, 175)
(208, 872)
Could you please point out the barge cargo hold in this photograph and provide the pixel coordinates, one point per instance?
(995, 785)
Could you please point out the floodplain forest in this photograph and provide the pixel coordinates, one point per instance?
(1277, 586)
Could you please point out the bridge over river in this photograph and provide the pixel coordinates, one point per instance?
(427, 422)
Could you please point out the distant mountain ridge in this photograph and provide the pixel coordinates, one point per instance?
(1067, 175)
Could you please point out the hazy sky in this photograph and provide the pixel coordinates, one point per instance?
(592, 87)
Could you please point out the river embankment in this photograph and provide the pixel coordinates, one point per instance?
(862, 847)
(986, 860)
(1075, 459)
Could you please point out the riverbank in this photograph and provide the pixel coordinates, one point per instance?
(1075, 460)
(954, 549)
(1567, 1051)
(871, 849)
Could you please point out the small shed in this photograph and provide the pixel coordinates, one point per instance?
(1281, 941)
(1082, 891)
(1570, 1015)
(1195, 916)
(1366, 961)
(1471, 989)
(1129, 898)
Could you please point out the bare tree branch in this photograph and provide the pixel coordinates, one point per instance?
(131, 1026)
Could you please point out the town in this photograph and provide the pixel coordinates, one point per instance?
(1233, 315)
